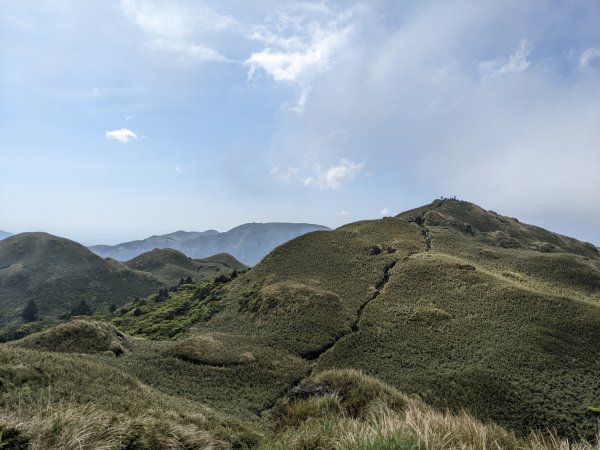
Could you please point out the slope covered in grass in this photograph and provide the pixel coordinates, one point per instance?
(169, 265)
(306, 294)
(527, 254)
(239, 373)
(57, 274)
(58, 401)
(225, 259)
(361, 413)
(78, 336)
(423, 306)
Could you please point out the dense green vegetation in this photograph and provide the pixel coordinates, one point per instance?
(508, 345)
(57, 274)
(56, 401)
(46, 278)
(363, 413)
(168, 314)
(455, 316)
(77, 336)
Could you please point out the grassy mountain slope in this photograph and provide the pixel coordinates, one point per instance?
(458, 305)
(361, 412)
(239, 373)
(248, 242)
(57, 273)
(4, 234)
(513, 340)
(169, 265)
(530, 255)
(53, 401)
(225, 259)
(59, 401)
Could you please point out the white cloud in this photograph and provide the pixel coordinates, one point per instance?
(514, 63)
(588, 55)
(185, 52)
(284, 175)
(300, 104)
(430, 123)
(179, 169)
(174, 29)
(384, 212)
(123, 135)
(301, 42)
(335, 177)
(173, 21)
(343, 212)
(299, 65)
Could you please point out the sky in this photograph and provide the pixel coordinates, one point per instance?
(121, 119)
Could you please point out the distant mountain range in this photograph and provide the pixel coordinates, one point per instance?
(4, 234)
(249, 242)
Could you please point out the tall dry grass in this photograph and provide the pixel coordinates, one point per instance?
(73, 427)
(416, 427)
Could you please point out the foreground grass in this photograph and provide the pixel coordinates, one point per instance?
(58, 401)
(365, 414)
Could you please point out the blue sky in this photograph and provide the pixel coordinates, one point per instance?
(125, 118)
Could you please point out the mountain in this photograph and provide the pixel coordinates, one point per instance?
(403, 332)
(248, 243)
(129, 250)
(57, 274)
(226, 260)
(170, 265)
(462, 306)
(4, 234)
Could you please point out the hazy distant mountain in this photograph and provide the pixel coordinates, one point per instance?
(248, 243)
(4, 234)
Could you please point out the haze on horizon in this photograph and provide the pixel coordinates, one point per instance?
(128, 118)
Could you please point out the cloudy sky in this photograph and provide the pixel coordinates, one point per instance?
(125, 118)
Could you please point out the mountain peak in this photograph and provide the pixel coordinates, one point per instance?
(487, 226)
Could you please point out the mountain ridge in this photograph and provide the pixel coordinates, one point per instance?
(4, 234)
(170, 265)
(247, 242)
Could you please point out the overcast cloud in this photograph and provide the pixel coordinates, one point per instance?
(313, 111)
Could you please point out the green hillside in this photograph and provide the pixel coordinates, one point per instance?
(225, 259)
(57, 274)
(357, 338)
(170, 265)
(512, 340)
